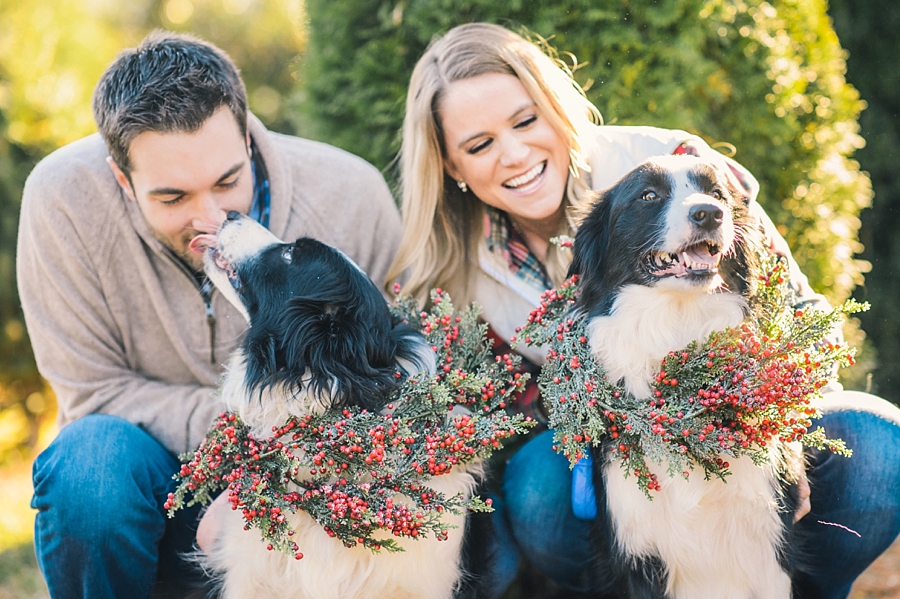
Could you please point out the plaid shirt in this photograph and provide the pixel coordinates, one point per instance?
(503, 239)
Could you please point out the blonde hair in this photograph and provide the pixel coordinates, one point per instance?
(442, 225)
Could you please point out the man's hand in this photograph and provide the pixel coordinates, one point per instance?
(211, 522)
(803, 505)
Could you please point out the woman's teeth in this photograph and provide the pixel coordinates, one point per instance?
(527, 177)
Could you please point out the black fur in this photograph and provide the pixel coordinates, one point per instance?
(620, 228)
(319, 325)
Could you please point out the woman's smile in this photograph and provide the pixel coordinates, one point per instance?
(499, 143)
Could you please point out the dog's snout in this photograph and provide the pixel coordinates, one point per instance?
(233, 215)
(706, 216)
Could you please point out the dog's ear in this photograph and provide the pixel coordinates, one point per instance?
(590, 246)
(259, 349)
(412, 353)
(343, 353)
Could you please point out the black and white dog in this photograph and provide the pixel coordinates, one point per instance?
(322, 336)
(665, 257)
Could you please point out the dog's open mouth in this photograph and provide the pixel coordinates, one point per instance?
(225, 266)
(208, 244)
(698, 260)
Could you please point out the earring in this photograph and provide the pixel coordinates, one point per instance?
(462, 186)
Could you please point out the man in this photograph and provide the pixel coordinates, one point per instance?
(123, 324)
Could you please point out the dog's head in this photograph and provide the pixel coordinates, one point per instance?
(318, 325)
(676, 222)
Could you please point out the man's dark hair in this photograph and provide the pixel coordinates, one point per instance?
(170, 83)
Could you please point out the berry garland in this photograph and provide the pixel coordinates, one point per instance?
(728, 396)
(357, 472)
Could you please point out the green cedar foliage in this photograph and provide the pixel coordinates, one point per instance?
(765, 78)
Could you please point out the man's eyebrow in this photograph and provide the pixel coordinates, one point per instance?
(228, 174)
(511, 117)
(174, 191)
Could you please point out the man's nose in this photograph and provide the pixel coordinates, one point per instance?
(210, 215)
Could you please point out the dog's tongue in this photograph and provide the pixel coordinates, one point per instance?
(700, 256)
(201, 242)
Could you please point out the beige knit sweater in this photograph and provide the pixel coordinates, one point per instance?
(118, 325)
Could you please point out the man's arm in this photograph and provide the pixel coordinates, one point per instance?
(77, 344)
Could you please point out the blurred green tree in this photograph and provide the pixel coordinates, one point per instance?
(51, 54)
(868, 30)
(767, 78)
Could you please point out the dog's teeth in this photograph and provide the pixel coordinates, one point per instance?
(687, 260)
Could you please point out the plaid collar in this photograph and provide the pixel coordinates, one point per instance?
(504, 240)
(262, 199)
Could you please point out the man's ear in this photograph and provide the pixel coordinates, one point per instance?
(121, 178)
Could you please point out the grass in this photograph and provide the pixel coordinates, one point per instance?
(19, 574)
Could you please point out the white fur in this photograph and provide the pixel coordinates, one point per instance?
(239, 240)
(426, 569)
(718, 540)
(646, 323)
(678, 231)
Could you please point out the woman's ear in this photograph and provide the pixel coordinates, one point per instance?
(451, 170)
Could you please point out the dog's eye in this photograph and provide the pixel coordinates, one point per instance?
(650, 196)
(233, 278)
(287, 254)
(717, 194)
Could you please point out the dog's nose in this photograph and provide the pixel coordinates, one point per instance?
(233, 215)
(706, 216)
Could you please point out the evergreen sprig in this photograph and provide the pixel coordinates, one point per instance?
(362, 474)
(731, 395)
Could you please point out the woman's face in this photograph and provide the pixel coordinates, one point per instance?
(500, 143)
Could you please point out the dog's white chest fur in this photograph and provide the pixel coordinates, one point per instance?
(717, 540)
(426, 569)
(646, 323)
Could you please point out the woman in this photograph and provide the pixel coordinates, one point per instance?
(500, 147)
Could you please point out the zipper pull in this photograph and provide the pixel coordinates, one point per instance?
(211, 321)
(205, 292)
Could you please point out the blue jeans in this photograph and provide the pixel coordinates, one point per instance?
(101, 530)
(861, 493)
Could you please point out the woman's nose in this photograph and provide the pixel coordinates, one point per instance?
(514, 150)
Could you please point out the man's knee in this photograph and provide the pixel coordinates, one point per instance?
(99, 473)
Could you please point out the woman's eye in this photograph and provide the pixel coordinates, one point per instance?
(480, 146)
(229, 184)
(650, 196)
(287, 254)
(525, 122)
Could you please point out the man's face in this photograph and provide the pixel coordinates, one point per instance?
(186, 183)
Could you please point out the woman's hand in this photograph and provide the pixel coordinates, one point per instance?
(803, 505)
(208, 529)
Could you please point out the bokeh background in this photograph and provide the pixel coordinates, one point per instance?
(803, 92)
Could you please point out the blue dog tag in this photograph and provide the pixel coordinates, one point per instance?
(584, 500)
